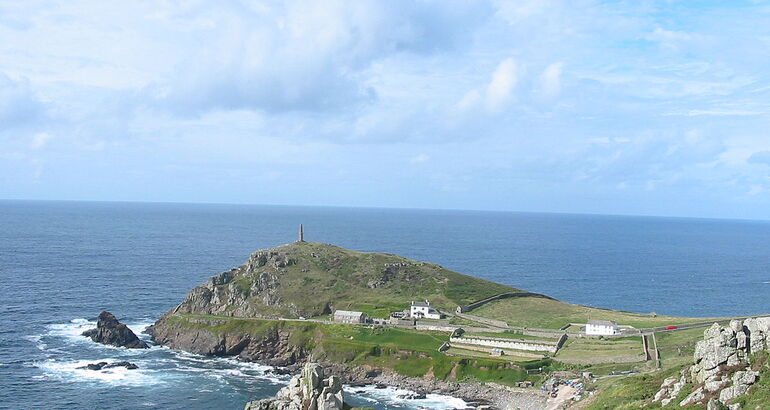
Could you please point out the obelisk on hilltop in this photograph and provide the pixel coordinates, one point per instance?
(301, 233)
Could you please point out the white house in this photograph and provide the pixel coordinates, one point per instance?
(601, 328)
(420, 310)
(349, 317)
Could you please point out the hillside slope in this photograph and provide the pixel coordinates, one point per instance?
(307, 279)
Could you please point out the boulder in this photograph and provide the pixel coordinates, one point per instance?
(714, 404)
(694, 397)
(109, 331)
(670, 389)
(309, 390)
(742, 380)
(105, 365)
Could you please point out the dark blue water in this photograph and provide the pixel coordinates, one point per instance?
(61, 263)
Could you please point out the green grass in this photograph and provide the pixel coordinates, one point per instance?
(628, 392)
(676, 348)
(408, 352)
(537, 312)
(585, 348)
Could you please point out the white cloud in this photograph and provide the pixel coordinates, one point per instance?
(40, 140)
(500, 90)
(550, 80)
(419, 158)
(18, 104)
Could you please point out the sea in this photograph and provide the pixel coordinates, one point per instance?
(62, 263)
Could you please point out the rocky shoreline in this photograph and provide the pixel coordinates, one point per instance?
(275, 349)
(494, 395)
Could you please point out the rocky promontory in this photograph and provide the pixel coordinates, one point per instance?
(311, 389)
(110, 331)
(721, 370)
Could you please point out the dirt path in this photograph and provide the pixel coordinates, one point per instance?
(564, 395)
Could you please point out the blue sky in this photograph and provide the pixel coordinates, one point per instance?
(621, 107)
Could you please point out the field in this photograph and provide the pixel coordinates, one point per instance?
(535, 312)
(577, 350)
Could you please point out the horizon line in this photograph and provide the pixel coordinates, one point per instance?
(394, 208)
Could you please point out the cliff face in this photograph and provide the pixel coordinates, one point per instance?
(272, 345)
(250, 290)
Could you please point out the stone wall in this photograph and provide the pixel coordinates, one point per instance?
(550, 347)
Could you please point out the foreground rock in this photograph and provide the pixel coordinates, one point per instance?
(109, 331)
(308, 390)
(720, 370)
(105, 365)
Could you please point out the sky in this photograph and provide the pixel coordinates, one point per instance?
(614, 107)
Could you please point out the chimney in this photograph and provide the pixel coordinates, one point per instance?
(301, 233)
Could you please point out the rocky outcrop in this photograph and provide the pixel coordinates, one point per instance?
(720, 370)
(109, 331)
(671, 388)
(105, 365)
(250, 290)
(272, 347)
(310, 390)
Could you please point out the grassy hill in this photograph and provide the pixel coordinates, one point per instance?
(313, 279)
(308, 279)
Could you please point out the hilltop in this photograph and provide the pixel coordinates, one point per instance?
(308, 279)
(311, 280)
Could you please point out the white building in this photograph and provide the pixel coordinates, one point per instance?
(349, 317)
(601, 328)
(423, 310)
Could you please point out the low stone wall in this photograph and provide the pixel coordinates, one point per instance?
(507, 344)
(487, 350)
(437, 328)
(600, 360)
(474, 305)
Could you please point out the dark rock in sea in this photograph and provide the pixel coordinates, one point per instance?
(412, 396)
(109, 331)
(380, 386)
(105, 365)
(280, 371)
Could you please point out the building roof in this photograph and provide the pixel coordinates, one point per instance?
(602, 323)
(421, 304)
(347, 313)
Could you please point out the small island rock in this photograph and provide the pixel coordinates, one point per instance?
(109, 331)
(105, 365)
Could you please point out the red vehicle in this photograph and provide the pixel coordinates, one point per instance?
(670, 327)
